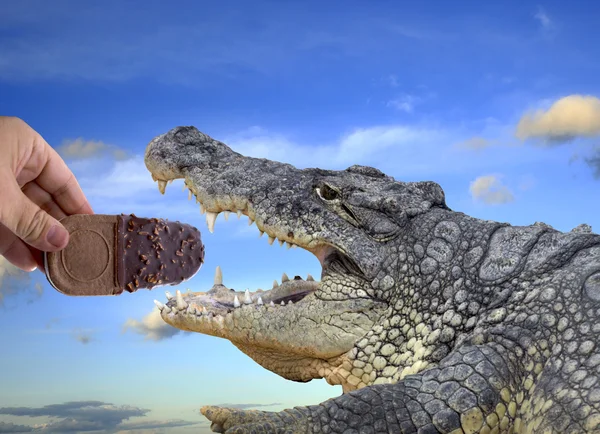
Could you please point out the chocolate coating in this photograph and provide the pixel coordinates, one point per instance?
(156, 252)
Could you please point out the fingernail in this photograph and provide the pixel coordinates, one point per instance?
(58, 236)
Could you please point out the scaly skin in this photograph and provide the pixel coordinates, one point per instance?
(432, 321)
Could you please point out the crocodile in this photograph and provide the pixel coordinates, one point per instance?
(432, 321)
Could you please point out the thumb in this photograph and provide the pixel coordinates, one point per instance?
(28, 221)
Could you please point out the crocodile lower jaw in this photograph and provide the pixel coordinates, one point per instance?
(210, 309)
(209, 314)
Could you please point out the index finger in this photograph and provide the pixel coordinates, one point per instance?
(58, 180)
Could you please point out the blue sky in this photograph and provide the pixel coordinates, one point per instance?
(496, 101)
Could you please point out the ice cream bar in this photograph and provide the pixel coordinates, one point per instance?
(109, 254)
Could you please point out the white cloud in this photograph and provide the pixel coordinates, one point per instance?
(490, 190)
(152, 327)
(13, 280)
(81, 149)
(247, 406)
(542, 17)
(126, 179)
(527, 182)
(567, 118)
(88, 416)
(126, 186)
(373, 145)
(7, 271)
(366, 144)
(403, 151)
(393, 80)
(405, 103)
(475, 143)
(547, 26)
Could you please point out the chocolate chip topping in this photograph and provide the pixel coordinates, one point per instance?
(155, 252)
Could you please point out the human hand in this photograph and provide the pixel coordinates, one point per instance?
(36, 190)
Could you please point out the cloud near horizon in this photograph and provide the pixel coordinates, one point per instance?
(571, 117)
(7, 427)
(152, 327)
(247, 406)
(85, 416)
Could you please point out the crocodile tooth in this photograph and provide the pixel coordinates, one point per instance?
(260, 233)
(218, 276)
(236, 302)
(282, 303)
(167, 309)
(271, 240)
(181, 304)
(247, 298)
(290, 302)
(275, 284)
(159, 305)
(250, 221)
(288, 245)
(226, 214)
(271, 303)
(309, 278)
(211, 218)
(191, 310)
(189, 194)
(281, 243)
(169, 295)
(259, 301)
(239, 213)
(204, 311)
(202, 209)
(284, 278)
(162, 185)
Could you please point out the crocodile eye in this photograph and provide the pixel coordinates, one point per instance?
(325, 192)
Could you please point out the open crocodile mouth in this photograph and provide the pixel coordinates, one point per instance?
(221, 301)
(209, 310)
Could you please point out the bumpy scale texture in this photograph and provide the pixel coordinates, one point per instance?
(432, 321)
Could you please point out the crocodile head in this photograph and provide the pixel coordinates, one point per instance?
(350, 220)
